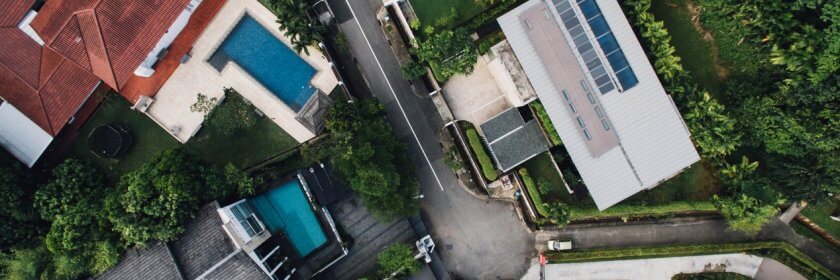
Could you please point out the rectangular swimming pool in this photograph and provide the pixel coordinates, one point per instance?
(270, 62)
(286, 209)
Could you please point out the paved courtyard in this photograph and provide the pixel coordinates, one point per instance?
(475, 98)
(665, 268)
(172, 106)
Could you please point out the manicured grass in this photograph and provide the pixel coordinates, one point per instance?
(697, 183)
(481, 155)
(245, 147)
(149, 138)
(431, 11)
(546, 123)
(631, 210)
(696, 53)
(533, 192)
(542, 171)
(820, 213)
(780, 251)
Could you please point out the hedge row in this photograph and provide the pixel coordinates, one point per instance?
(539, 109)
(490, 14)
(780, 251)
(481, 154)
(533, 192)
(634, 211)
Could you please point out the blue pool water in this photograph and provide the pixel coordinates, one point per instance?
(286, 209)
(270, 62)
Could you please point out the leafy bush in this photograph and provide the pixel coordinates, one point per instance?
(399, 259)
(542, 115)
(413, 70)
(488, 15)
(484, 160)
(451, 52)
(293, 17)
(233, 114)
(25, 264)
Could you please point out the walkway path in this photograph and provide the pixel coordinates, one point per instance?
(693, 232)
(665, 268)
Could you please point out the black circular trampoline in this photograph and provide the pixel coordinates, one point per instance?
(109, 140)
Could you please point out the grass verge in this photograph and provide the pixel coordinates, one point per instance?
(539, 109)
(636, 210)
(780, 251)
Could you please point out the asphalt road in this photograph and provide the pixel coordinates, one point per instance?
(476, 239)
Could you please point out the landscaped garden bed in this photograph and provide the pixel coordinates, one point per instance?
(480, 152)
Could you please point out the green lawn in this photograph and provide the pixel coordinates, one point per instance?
(697, 183)
(243, 149)
(149, 137)
(819, 212)
(695, 52)
(431, 11)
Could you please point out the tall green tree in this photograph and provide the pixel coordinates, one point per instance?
(451, 52)
(293, 17)
(72, 202)
(17, 221)
(366, 152)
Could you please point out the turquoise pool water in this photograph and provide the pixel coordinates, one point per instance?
(270, 62)
(286, 209)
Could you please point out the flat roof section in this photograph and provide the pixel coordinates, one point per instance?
(513, 141)
(567, 76)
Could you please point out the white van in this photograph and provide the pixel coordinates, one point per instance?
(559, 245)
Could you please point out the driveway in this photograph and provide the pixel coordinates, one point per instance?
(665, 268)
(476, 239)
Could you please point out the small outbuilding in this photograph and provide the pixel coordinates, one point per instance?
(512, 139)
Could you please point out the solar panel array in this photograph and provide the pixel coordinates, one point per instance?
(606, 40)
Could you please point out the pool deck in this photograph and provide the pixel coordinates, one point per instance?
(171, 108)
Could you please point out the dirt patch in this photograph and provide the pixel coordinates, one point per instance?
(694, 10)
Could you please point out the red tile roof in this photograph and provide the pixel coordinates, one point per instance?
(85, 41)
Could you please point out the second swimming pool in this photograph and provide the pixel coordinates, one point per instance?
(286, 209)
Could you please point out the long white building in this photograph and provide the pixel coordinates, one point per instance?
(622, 131)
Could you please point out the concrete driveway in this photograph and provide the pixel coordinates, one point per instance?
(665, 268)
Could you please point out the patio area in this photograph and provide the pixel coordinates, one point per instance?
(171, 108)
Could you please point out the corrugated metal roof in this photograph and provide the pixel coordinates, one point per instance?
(654, 144)
(20, 136)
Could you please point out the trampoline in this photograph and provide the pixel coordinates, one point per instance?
(109, 140)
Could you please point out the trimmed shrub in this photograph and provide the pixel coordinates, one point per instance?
(542, 115)
(481, 154)
(533, 192)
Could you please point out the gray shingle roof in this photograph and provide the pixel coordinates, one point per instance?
(144, 264)
(240, 266)
(501, 124)
(519, 146)
(203, 243)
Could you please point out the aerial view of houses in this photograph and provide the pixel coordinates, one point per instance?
(419, 139)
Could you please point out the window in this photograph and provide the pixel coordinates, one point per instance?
(591, 98)
(599, 112)
(245, 221)
(580, 122)
(566, 95)
(605, 124)
(586, 134)
(572, 106)
(528, 24)
(584, 86)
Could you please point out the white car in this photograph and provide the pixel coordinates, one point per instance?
(559, 245)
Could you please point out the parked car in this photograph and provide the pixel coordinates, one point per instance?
(559, 245)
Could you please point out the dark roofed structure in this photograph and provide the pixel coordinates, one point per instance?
(327, 189)
(202, 251)
(513, 141)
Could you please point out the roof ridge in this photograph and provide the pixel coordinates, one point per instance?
(98, 33)
(44, 106)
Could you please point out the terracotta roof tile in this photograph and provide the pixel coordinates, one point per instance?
(21, 54)
(23, 97)
(55, 14)
(49, 62)
(71, 44)
(66, 90)
(96, 53)
(13, 11)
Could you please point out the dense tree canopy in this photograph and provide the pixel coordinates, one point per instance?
(17, 221)
(293, 17)
(154, 201)
(366, 152)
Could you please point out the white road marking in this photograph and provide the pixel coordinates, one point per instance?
(388, 82)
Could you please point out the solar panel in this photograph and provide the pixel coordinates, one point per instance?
(583, 43)
(609, 46)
